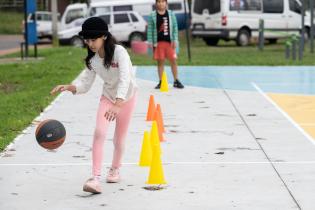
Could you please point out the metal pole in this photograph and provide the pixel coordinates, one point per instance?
(54, 22)
(302, 38)
(303, 26)
(22, 50)
(25, 28)
(287, 49)
(312, 26)
(301, 51)
(294, 39)
(35, 50)
(261, 34)
(46, 5)
(187, 32)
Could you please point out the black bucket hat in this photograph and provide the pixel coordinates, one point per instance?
(93, 28)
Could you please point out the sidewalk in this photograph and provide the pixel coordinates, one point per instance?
(10, 41)
(223, 150)
(11, 44)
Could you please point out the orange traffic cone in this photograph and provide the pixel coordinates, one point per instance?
(159, 125)
(151, 109)
(158, 108)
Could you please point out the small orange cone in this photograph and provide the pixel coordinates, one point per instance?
(156, 174)
(159, 125)
(151, 109)
(158, 107)
(146, 151)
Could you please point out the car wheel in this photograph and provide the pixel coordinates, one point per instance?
(307, 34)
(242, 38)
(77, 42)
(272, 41)
(211, 41)
(136, 37)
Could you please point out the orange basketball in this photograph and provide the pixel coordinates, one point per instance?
(50, 134)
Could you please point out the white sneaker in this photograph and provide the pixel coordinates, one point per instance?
(92, 185)
(113, 175)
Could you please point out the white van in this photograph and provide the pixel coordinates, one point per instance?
(239, 20)
(73, 16)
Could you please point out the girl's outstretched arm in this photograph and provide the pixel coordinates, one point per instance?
(61, 88)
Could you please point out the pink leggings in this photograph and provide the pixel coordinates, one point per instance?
(122, 122)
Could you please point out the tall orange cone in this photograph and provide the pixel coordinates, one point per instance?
(146, 151)
(164, 83)
(151, 109)
(158, 108)
(154, 136)
(159, 125)
(156, 174)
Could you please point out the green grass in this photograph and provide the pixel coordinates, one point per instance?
(227, 53)
(11, 22)
(24, 88)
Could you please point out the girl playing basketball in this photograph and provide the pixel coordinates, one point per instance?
(111, 63)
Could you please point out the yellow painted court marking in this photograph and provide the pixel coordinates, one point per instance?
(300, 108)
(277, 97)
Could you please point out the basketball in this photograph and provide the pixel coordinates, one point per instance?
(50, 134)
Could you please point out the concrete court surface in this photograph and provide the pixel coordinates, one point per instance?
(224, 149)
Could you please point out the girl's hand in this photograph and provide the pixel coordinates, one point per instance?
(111, 113)
(61, 88)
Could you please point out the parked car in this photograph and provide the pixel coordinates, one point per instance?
(125, 27)
(43, 24)
(239, 19)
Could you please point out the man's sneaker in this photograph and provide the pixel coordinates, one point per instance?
(92, 185)
(178, 84)
(158, 85)
(113, 175)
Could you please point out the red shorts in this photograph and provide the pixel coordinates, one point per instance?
(164, 50)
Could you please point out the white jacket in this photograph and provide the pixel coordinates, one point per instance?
(119, 79)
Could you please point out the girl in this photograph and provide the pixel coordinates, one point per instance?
(112, 63)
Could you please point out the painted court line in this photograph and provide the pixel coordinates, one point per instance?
(166, 163)
(280, 84)
(310, 138)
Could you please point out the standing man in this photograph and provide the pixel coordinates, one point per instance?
(163, 39)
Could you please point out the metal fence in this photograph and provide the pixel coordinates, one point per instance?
(11, 4)
(18, 5)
